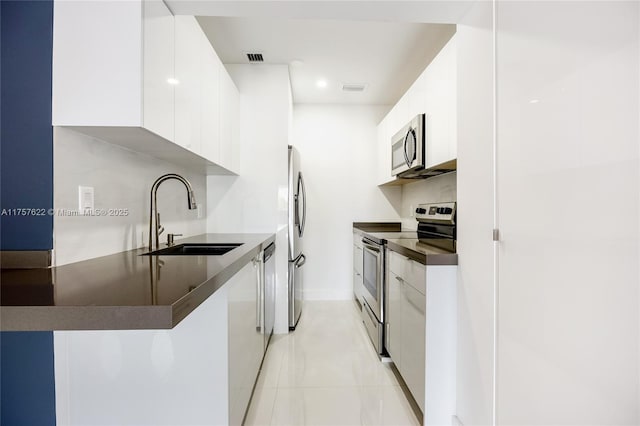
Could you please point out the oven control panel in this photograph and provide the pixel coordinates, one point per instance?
(436, 212)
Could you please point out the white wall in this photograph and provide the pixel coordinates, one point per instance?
(432, 190)
(338, 157)
(568, 111)
(121, 179)
(256, 200)
(475, 216)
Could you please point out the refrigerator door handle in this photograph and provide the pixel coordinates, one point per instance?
(301, 260)
(304, 202)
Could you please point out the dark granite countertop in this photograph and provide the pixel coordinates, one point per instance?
(123, 291)
(364, 227)
(422, 253)
(404, 242)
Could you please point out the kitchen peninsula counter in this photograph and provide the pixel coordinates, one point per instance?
(422, 253)
(122, 291)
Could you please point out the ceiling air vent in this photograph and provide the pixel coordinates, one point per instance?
(348, 87)
(255, 57)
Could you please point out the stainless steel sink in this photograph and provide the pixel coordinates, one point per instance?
(195, 249)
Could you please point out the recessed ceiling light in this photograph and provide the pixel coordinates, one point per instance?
(173, 81)
(321, 83)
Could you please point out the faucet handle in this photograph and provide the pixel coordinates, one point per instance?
(159, 227)
(170, 238)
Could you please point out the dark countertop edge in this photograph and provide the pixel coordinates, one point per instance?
(364, 227)
(442, 259)
(159, 317)
(67, 318)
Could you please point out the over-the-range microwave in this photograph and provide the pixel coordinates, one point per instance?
(408, 149)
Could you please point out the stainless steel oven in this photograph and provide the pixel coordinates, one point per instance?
(373, 294)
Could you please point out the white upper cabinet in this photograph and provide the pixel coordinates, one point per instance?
(97, 63)
(212, 68)
(384, 152)
(417, 95)
(130, 73)
(433, 94)
(207, 101)
(158, 69)
(188, 105)
(229, 122)
(440, 106)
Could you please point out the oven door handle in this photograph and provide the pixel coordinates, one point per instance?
(370, 247)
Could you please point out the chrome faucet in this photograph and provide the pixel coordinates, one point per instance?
(153, 210)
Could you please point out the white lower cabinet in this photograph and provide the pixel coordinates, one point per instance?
(251, 302)
(406, 321)
(201, 372)
(412, 346)
(146, 377)
(245, 341)
(358, 260)
(421, 333)
(393, 332)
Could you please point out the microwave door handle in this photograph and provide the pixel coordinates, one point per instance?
(404, 147)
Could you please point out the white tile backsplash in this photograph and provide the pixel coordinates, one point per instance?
(432, 190)
(121, 179)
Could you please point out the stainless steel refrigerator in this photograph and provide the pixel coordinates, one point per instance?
(297, 220)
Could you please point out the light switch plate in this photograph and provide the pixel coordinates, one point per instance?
(85, 199)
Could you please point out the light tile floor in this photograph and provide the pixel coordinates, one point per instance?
(326, 372)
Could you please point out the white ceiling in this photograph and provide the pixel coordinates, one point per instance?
(386, 56)
(423, 11)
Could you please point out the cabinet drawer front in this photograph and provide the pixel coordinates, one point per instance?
(416, 275)
(412, 367)
(394, 318)
(397, 263)
(358, 286)
(357, 259)
(411, 272)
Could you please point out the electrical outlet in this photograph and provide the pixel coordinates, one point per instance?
(85, 199)
(199, 210)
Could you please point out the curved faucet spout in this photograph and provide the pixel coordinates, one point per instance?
(153, 208)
